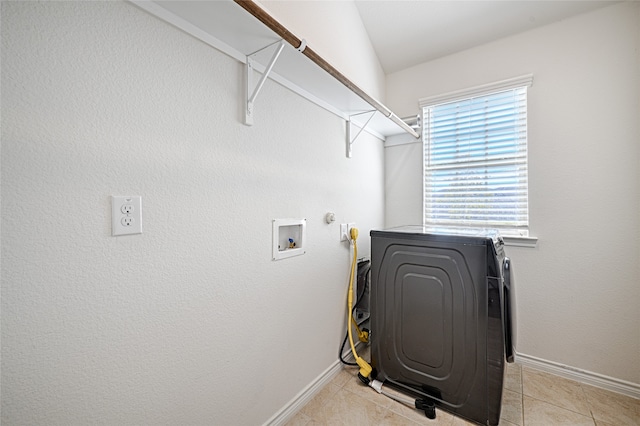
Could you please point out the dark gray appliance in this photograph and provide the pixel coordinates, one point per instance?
(440, 324)
(361, 313)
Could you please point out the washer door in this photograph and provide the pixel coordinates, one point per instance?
(508, 309)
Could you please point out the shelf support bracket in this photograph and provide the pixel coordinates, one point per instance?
(350, 124)
(252, 94)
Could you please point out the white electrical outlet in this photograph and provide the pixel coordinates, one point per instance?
(126, 215)
(345, 231)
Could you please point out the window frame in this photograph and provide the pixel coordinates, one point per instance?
(517, 235)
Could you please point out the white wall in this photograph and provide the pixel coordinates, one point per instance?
(578, 291)
(334, 30)
(190, 322)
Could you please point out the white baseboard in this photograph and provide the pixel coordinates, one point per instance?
(582, 376)
(303, 397)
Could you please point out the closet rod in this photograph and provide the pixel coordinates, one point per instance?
(255, 10)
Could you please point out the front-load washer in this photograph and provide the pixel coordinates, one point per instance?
(440, 317)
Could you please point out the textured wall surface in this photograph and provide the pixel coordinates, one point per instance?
(578, 291)
(190, 322)
(344, 43)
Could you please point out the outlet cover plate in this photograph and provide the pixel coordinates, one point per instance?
(126, 215)
(343, 232)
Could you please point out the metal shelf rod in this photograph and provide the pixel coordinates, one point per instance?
(255, 10)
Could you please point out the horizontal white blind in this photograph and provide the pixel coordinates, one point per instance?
(475, 157)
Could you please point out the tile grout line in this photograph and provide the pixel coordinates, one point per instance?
(561, 407)
(580, 385)
(522, 407)
(586, 398)
(522, 394)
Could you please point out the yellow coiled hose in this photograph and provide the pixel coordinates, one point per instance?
(365, 368)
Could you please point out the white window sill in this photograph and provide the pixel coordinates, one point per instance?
(520, 241)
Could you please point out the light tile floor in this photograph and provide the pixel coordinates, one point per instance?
(530, 397)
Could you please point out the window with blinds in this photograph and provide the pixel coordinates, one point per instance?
(475, 158)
